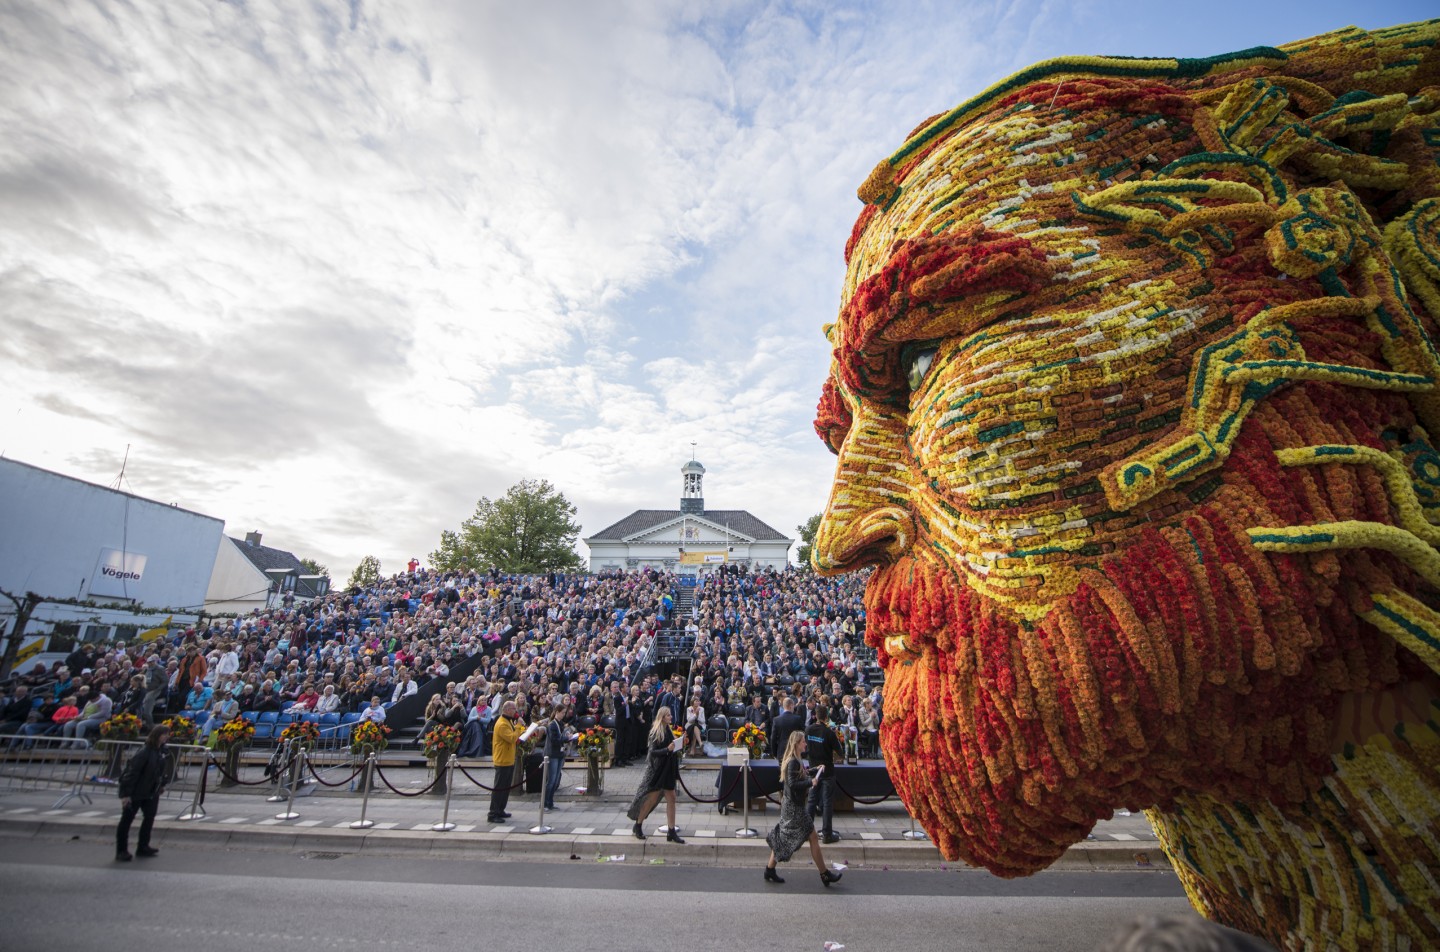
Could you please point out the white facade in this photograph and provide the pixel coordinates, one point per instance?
(236, 586)
(690, 540)
(684, 541)
(66, 538)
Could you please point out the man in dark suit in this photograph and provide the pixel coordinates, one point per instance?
(619, 702)
(786, 723)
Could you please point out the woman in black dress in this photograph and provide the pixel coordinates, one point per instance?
(795, 826)
(662, 769)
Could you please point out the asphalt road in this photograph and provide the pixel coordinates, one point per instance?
(72, 896)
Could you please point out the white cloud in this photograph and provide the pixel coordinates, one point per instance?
(335, 270)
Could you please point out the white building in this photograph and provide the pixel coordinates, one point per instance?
(249, 575)
(688, 539)
(65, 538)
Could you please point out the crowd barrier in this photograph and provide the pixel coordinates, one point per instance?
(33, 763)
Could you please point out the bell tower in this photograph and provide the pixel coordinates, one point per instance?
(692, 495)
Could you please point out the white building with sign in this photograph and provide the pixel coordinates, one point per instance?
(64, 538)
(689, 539)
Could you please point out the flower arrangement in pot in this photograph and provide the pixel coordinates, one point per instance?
(750, 736)
(182, 729)
(302, 734)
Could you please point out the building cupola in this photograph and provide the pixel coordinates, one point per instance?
(692, 494)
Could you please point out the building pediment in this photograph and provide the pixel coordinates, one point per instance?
(689, 529)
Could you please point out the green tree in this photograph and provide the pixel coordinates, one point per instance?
(807, 538)
(529, 529)
(315, 568)
(366, 573)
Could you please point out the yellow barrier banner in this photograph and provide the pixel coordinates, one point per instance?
(150, 634)
(29, 651)
(702, 558)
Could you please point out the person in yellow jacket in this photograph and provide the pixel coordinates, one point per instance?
(507, 731)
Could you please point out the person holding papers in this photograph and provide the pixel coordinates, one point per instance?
(662, 769)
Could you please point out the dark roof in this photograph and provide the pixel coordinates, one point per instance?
(739, 521)
(263, 557)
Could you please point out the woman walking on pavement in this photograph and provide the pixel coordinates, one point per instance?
(795, 826)
(141, 784)
(662, 769)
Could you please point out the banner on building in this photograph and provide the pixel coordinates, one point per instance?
(117, 574)
(702, 558)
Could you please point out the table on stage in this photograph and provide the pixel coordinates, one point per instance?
(868, 780)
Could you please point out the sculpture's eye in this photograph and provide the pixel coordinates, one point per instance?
(917, 365)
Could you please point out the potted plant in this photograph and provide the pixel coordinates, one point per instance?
(594, 745)
(232, 736)
(120, 727)
(368, 738)
(183, 731)
(750, 736)
(441, 742)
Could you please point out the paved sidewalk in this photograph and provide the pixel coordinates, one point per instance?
(587, 828)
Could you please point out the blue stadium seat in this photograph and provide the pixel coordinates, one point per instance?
(268, 717)
(329, 720)
(311, 717)
(265, 731)
(283, 720)
(350, 718)
(249, 716)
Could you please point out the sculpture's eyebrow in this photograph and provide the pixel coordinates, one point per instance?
(914, 294)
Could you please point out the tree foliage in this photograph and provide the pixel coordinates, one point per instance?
(529, 529)
(316, 568)
(366, 573)
(807, 537)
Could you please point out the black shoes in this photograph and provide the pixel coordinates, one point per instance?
(146, 852)
(828, 877)
(672, 835)
(494, 819)
(123, 857)
(830, 838)
(505, 816)
(639, 833)
(771, 876)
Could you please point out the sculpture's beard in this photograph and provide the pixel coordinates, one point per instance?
(1189, 662)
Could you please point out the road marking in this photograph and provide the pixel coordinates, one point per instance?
(422, 826)
(270, 822)
(709, 833)
(502, 829)
(871, 836)
(54, 812)
(91, 813)
(1124, 836)
(583, 830)
(612, 832)
(309, 822)
(465, 828)
(386, 826)
(234, 819)
(342, 825)
(22, 810)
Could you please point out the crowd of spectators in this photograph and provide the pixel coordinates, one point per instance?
(546, 641)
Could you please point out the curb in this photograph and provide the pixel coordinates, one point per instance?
(549, 848)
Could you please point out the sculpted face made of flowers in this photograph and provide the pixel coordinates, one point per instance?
(1133, 395)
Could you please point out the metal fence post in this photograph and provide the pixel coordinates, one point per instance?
(912, 833)
(275, 796)
(445, 826)
(745, 832)
(197, 803)
(290, 813)
(544, 792)
(362, 823)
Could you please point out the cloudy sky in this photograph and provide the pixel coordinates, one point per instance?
(334, 271)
